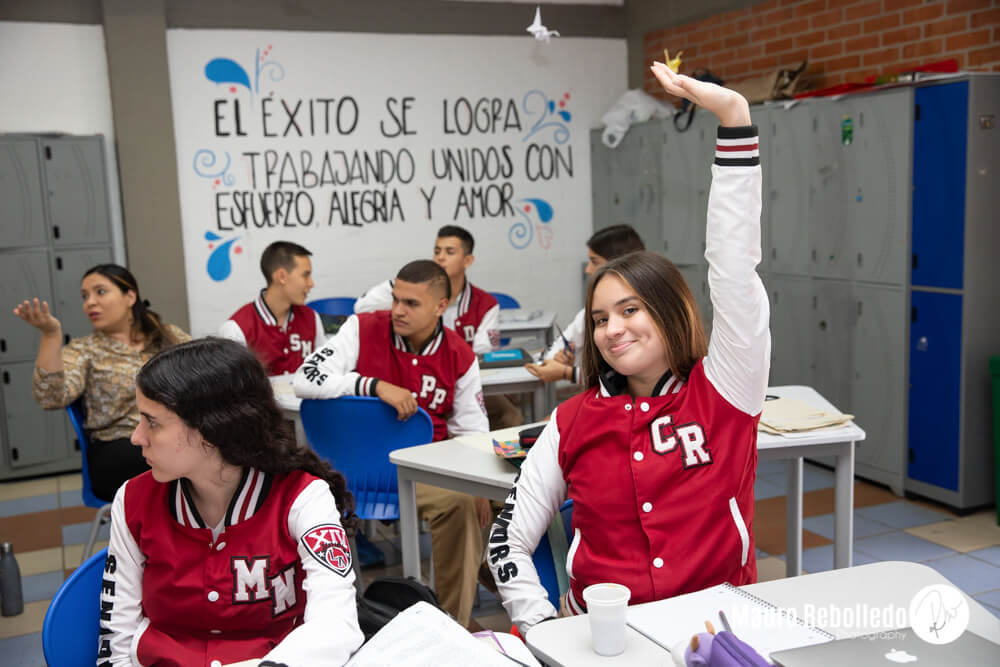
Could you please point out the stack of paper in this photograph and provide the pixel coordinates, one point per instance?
(787, 415)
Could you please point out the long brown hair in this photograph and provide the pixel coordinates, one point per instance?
(146, 323)
(666, 297)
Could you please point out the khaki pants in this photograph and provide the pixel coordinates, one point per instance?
(457, 543)
(502, 412)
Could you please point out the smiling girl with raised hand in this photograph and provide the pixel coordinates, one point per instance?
(101, 367)
(658, 452)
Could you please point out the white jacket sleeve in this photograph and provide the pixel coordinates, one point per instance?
(739, 350)
(122, 621)
(538, 491)
(376, 298)
(330, 631)
(232, 331)
(320, 333)
(574, 333)
(468, 412)
(488, 334)
(329, 372)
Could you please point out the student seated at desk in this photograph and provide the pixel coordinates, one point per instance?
(659, 451)
(409, 359)
(101, 367)
(280, 329)
(560, 361)
(233, 547)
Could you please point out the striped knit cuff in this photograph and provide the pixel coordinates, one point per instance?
(365, 386)
(737, 147)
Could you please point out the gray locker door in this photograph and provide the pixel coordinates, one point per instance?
(830, 245)
(646, 214)
(792, 339)
(686, 177)
(623, 178)
(34, 435)
(78, 193)
(24, 275)
(22, 215)
(789, 191)
(600, 180)
(67, 271)
(761, 117)
(878, 202)
(833, 322)
(878, 382)
(696, 277)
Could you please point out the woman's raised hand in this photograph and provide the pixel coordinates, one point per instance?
(729, 106)
(37, 314)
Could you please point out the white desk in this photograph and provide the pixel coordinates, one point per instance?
(566, 641)
(468, 464)
(515, 321)
(290, 405)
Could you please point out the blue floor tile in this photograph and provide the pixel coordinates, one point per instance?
(970, 574)
(41, 586)
(813, 478)
(992, 610)
(760, 554)
(29, 505)
(76, 533)
(902, 515)
(989, 554)
(823, 525)
(771, 467)
(70, 498)
(991, 598)
(820, 559)
(901, 546)
(22, 651)
(763, 488)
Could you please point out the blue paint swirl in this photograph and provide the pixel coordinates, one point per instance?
(225, 70)
(543, 207)
(219, 265)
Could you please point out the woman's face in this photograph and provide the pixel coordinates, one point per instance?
(171, 448)
(594, 262)
(624, 332)
(105, 304)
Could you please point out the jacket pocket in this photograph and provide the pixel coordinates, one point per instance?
(741, 527)
(571, 554)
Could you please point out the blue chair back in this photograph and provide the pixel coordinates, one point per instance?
(335, 305)
(506, 301)
(71, 630)
(77, 415)
(355, 435)
(551, 569)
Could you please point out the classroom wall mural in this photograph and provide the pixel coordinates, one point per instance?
(361, 146)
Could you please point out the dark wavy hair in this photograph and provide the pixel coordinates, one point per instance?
(219, 388)
(614, 241)
(146, 323)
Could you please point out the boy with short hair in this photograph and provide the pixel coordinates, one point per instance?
(280, 329)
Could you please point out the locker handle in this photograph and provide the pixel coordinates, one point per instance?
(913, 313)
(3, 344)
(916, 112)
(55, 231)
(14, 453)
(6, 377)
(859, 259)
(859, 307)
(58, 263)
(65, 339)
(914, 261)
(822, 325)
(48, 152)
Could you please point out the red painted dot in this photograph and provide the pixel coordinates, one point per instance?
(268, 47)
(232, 89)
(566, 95)
(216, 181)
(562, 103)
(211, 245)
(237, 249)
(527, 209)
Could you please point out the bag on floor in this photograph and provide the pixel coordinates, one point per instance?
(386, 597)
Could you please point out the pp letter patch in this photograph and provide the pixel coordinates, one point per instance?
(328, 544)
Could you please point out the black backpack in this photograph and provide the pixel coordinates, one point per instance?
(386, 597)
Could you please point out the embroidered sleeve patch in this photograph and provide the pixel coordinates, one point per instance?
(328, 544)
(494, 336)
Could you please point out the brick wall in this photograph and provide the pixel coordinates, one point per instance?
(844, 40)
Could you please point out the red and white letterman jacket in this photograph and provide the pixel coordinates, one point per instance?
(662, 486)
(280, 349)
(273, 580)
(474, 314)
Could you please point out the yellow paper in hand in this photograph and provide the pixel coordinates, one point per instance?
(674, 64)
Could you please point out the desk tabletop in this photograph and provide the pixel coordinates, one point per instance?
(847, 433)
(512, 320)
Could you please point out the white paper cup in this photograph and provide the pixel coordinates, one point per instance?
(606, 605)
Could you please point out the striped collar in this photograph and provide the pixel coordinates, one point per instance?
(464, 298)
(613, 383)
(247, 500)
(264, 312)
(430, 347)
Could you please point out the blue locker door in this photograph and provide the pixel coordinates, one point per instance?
(939, 153)
(935, 376)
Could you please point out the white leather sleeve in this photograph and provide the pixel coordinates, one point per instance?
(534, 499)
(378, 297)
(329, 371)
(122, 620)
(490, 323)
(330, 631)
(232, 331)
(468, 412)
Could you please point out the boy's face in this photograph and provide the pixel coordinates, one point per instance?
(415, 307)
(450, 256)
(295, 284)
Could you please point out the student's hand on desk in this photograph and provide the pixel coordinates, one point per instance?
(37, 315)
(399, 398)
(484, 512)
(549, 370)
(729, 106)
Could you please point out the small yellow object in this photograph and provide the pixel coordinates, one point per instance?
(674, 64)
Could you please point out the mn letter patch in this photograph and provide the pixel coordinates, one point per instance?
(328, 544)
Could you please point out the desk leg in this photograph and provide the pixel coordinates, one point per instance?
(539, 400)
(843, 509)
(793, 519)
(409, 528)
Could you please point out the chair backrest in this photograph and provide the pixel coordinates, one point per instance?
(506, 301)
(71, 630)
(77, 415)
(355, 434)
(335, 305)
(549, 557)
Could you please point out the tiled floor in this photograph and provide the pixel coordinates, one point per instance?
(47, 524)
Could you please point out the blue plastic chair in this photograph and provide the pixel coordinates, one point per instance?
(506, 301)
(71, 630)
(546, 563)
(77, 415)
(355, 435)
(335, 305)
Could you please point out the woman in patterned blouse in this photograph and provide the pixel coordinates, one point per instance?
(101, 367)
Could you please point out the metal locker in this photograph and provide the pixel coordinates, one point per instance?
(600, 180)
(829, 237)
(696, 277)
(623, 178)
(792, 339)
(788, 194)
(67, 271)
(833, 321)
(645, 211)
(761, 117)
(877, 204)
(24, 275)
(22, 217)
(878, 380)
(78, 199)
(685, 179)
(34, 435)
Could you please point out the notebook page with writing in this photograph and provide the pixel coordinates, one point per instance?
(759, 623)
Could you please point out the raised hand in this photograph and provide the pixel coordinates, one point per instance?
(37, 314)
(730, 107)
(399, 398)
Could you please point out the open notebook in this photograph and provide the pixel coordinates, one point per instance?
(757, 622)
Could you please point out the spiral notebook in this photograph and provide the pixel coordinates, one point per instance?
(764, 626)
